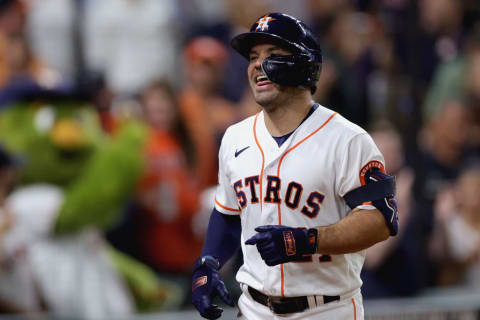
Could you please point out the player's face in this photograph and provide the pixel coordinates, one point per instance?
(264, 91)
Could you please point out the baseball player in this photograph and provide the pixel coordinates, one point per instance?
(302, 190)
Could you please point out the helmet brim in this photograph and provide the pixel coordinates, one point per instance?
(244, 42)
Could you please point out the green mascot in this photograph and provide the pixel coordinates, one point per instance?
(64, 152)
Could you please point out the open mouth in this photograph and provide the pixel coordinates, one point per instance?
(262, 80)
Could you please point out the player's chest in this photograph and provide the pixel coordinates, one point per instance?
(296, 176)
(307, 161)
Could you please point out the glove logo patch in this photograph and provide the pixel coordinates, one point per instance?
(312, 239)
(200, 281)
(289, 240)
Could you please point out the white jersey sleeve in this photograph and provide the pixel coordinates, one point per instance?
(225, 198)
(361, 154)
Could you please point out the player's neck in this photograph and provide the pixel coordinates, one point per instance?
(286, 117)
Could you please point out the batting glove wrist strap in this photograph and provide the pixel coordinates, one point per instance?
(280, 244)
(208, 261)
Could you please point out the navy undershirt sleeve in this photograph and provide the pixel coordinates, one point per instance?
(223, 236)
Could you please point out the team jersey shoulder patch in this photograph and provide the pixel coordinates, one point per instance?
(370, 165)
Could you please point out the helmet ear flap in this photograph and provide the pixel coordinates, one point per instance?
(292, 70)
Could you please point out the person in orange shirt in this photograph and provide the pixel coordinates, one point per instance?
(167, 191)
(205, 112)
(17, 60)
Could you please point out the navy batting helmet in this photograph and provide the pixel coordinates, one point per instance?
(302, 68)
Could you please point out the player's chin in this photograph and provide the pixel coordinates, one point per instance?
(265, 98)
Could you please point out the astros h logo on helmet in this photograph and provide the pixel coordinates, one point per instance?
(263, 23)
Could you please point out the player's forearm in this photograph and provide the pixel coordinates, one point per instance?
(223, 237)
(358, 231)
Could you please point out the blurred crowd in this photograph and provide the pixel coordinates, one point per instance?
(111, 115)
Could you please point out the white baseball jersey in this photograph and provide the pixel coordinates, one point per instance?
(299, 184)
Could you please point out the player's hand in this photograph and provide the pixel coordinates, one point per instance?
(206, 284)
(387, 206)
(280, 244)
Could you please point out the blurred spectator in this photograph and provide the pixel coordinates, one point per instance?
(7, 174)
(347, 46)
(7, 178)
(459, 79)
(201, 12)
(50, 25)
(440, 37)
(324, 12)
(205, 113)
(363, 74)
(74, 182)
(18, 296)
(25, 75)
(168, 191)
(158, 226)
(435, 34)
(389, 93)
(131, 42)
(12, 16)
(102, 98)
(443, 148)
(21, 71)
(443, 151)
(456, 240)
(390, 266)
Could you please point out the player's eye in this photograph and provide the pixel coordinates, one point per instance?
(252, 57)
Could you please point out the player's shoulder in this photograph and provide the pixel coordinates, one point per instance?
(239, 129)
(237, 134)
(341, 125)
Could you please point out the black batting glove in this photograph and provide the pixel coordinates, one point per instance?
(206, 284)
(279, 244)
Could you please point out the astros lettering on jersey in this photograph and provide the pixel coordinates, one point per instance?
(299, 184)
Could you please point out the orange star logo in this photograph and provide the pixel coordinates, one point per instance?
(263, 23)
